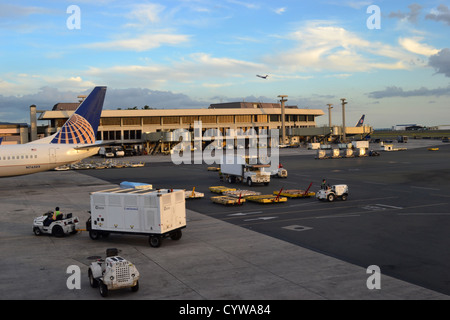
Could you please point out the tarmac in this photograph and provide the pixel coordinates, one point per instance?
(214, 260)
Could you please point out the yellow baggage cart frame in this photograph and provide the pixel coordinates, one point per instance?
(228, 201)
(266, 198)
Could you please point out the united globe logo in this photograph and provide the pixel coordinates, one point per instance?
(76, 130)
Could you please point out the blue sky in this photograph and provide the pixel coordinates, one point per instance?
(191, 53)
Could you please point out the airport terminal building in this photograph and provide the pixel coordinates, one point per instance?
(153, 127)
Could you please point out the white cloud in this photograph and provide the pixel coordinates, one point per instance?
(280, 10)
(144, 14)
(413, 45)
(22, 83)
(141, 43)
(216, 85)
(324, 46)
(248, 5)
(195, 67)
(357, 4)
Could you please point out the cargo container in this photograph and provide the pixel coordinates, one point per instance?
(155, 213)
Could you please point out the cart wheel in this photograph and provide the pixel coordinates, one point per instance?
(103, 289)
(344, 197)
(155, 241)
(176, 235)
(249, 182)
(37, 231)
(93, 282)
(136, 287)
(57, 231)
(330, 197)
(94, 235)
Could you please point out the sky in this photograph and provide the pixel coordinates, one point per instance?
(389, 59)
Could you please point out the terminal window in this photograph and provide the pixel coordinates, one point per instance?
(132, 134)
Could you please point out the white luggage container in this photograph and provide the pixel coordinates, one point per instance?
(157, 214)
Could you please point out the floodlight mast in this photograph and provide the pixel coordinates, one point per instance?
(329, 114)
(283, 117)
(344, 136)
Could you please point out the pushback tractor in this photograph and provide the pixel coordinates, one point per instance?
(64, 224)
(113, 273)
(339, 191)
(157, 214)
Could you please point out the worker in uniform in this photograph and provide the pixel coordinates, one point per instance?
(324, 185)
(56, 213)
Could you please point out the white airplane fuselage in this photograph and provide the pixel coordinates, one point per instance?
(30, 158)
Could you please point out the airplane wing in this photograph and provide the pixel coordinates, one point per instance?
(94, 145)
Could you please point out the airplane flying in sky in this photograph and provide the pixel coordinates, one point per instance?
(73, 142)
(263, 77)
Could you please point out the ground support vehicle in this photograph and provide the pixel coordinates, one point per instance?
(339, 191)
(280, 173)
(228, 201)
(63, 225)
(220, 189)
(237, 169)
(106, 152)
(157, 214)
(266, 198)
(295, 193)
(113, 273)
(193, 194)
(321, 154)
(241, 193)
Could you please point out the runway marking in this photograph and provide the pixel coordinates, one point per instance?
(338, 216)
(428, 205)
(268, 211)
(243, 214)
(305, 218)
(425, 214)
(297, 228)
(392, 207)
(441, 195)
(380, 207)
(373, 208)
(424, 188)
(261, 218)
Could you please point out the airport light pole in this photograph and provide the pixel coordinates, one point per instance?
(283, 117)
(344, 137)
(329, 114)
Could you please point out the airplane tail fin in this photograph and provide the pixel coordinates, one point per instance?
(81, 128)
(361, 121)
